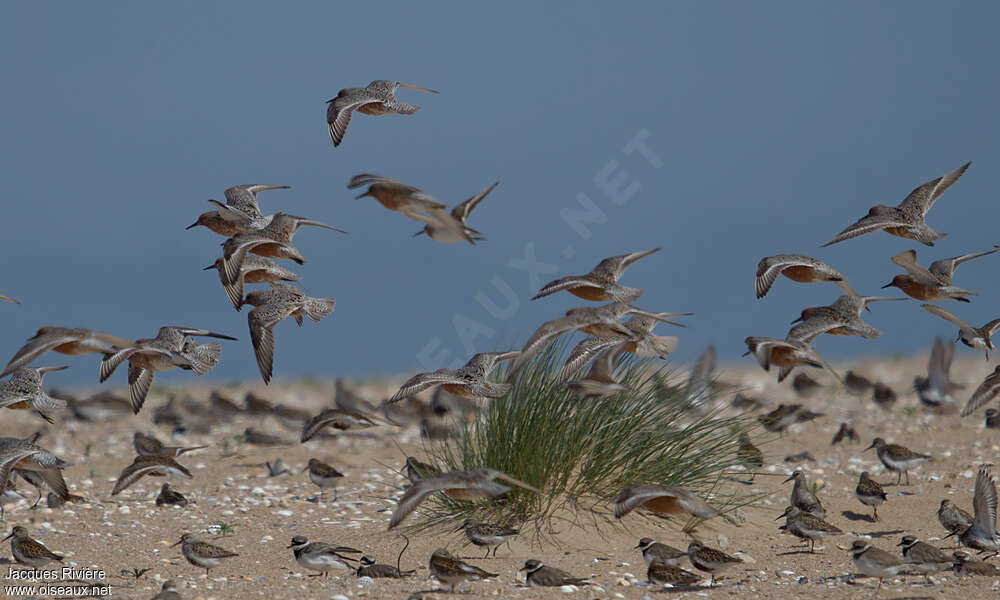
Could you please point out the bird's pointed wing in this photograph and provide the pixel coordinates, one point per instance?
(139, 382)
(922, 198)
(867, 224)
(984, 503)
(423, 381)
(584, 351)
(908, 260)
(413, 497)
(37, 346)
(541, 338)
(945, 268)
(338, 113)
(937, 310)
(262, 321)
(461, 211)
(986, 391)
(565, 283)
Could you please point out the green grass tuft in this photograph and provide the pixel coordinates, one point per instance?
(582, 453)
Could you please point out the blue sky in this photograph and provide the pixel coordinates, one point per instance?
(773, 125)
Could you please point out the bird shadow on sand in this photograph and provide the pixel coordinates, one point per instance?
(850, 515)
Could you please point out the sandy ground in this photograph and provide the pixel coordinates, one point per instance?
(129, 532)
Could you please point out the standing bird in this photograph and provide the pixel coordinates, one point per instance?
(982, 534)
(324, 476)
(450, 570)
(925, 558)
(907, 219)
(932, 284)
(749, 455)
(797, 267)
(202, 554)
(369, 568)
(661, 572)
(977, 338)
(984, 394)
(953, 518)
(170, 497)
(804, 499)
(272, 241)
(806, 526)
(64, 341)
(486, 535)
(875, 562)
(378, 98)
(172, 348)
(24, 391)
(463, 485)
(870, 493)
(451, 226)
(317, 556)
(29, 552)
(710, 560)
(273, 306)
(655, 551)
(538, 574)
(897, 458)
(469, 381)
(601, 284)
(254, 269)
(240, 213)
(964, 565)
(846, 432)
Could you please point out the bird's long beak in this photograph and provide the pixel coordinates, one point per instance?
(459, 528)
(790, 477)
(901, 543)
(887, 285)
(782, 515)
(304, 469)
(8, 537)
(417, 87)
(421, 232)
(368, 193)
(209, 267)
(318, 224)
(192, 225)
(870, 447)
(220, 336)
(747, 353)
(518, 482)
(175, 543)
(637, 546)
(289, 546)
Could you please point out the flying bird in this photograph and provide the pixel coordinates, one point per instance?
(378, 98)
(907, 219)
(172, 348)
(797, 267)
(451, 226)
(273, 306)
(467, 382)
(601, 283)
(24, 391)
(240, 213)
(64, 340)
(600, 321)
(253, 269)
(933, 284)
(272, 241)
(157, 465)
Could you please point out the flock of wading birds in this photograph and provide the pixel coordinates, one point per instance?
(254, 239)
